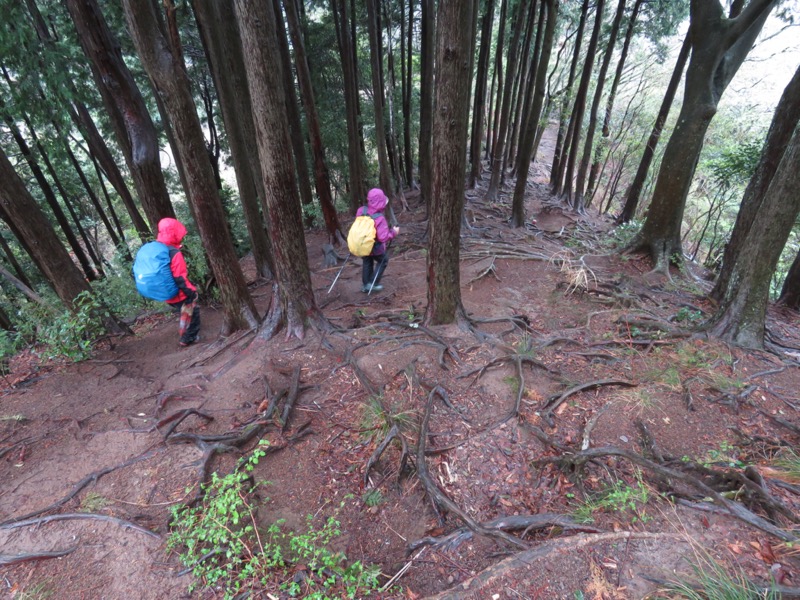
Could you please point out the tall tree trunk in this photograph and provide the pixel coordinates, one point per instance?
(355, 154)
(20, 208)
(479, 105)
(427, 54)
(384, 177)
(502, 132)
(560, 152)
(293, 301)
(169, 78)
(496, 100)
(453, 79)
(293, 112)
(321, 177)
(790, 292)
(579, 108)
(635, 190)
(526, 69)
(719, 46)
(583, 168)
(12, 260)
(784, 122)
(132, 124)
(217, 25)
(408, 69)
(740, 316)
(50, 196)
(528, 142)
(99, 150)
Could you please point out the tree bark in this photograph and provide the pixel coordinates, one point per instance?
(557, 168)
(784, 121)
(384, 177)
(635, 190)
(742, 311)
(293, 301)
(321, 177)
(719, 46)
(356, 163)
(30, 222)
(99, 149)
(528, 142)
(132, 124)
(583, 168)
(217, 25)
(427, 53)
(293, 112)
(169, 78)
(453, 82)
(790, 292)
(505, 116)
(479, 105)
(579, 109)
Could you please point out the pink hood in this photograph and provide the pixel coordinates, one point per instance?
(376, 201)
(171, 232)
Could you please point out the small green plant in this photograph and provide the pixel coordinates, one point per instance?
(71, 335)
(623, 234)
(725, 454)
(38, 591)
(712, 581)
(788, 463)
(688, 315)
(375, 417)
(93, 502)
(618, 497)
(372, 497)
(220, 541)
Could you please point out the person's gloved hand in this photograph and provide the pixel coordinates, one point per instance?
(191, 295)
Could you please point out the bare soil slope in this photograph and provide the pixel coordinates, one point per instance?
(572, 347)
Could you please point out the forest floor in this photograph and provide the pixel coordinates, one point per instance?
(573, 346)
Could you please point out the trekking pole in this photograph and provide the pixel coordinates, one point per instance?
(335, 279)
(380, 264)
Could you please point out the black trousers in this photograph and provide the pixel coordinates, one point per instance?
(190, 335)
(369, 270)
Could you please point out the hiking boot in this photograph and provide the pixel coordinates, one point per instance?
(375, 288)
(191, 341)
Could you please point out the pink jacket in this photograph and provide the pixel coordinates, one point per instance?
(171, 232)
(376, 203)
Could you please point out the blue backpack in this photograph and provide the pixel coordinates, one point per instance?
(152, 272)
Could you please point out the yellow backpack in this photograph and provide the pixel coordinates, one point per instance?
(361, 237)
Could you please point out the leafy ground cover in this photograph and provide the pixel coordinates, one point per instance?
(580, 441)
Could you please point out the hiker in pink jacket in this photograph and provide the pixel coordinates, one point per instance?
(171, 232)
(376, 203)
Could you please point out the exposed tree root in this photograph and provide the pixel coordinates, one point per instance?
(15, 559)
(219, 347)
(79, 516)
(576, 461)
(552, 403)
(522, 560)
(440, 499)
(234, 441)
(90, 478)
(524, 523)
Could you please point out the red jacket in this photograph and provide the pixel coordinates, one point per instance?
(171, 232)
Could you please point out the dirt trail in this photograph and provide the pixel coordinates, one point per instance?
(92, 418)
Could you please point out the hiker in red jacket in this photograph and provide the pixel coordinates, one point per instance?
(376, 203)
(171, 232)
